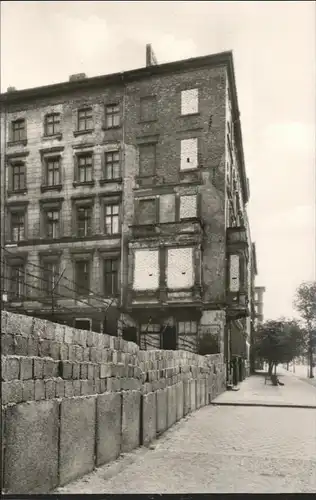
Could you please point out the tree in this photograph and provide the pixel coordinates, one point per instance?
(305, 304)
(279, 342)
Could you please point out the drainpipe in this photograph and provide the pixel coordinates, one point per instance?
(123, 198)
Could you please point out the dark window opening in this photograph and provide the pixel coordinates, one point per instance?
(18, 130)
(84, 221)
(53, 171)
(85, 168)
(85, 121)
(17, 226)
(82, 277)
(52, 124)
(111, 277)
(112, 165)
(18, 177)
(112, 116)
(111, 219)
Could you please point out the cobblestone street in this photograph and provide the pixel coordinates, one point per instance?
(219, 449)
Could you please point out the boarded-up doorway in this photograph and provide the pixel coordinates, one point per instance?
(169, 338)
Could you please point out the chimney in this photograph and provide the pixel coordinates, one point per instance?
(11, 89)
(77, 76)
(150, 56)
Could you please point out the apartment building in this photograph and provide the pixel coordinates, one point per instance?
(124, 204)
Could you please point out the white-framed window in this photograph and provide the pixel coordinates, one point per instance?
(146, 270)
(189, 101)
(180, 269)
(189, 154)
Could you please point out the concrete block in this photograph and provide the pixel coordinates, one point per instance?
(10, 368)
(78, 353)
(60, 388)
(180, 400)
(50, 389)
(76, 384)
(203, 399)
(76, 371)
(86, 354)
(108, 418)
(192, 395)
(72, 353)
(11, 392)
(32, 346)
(38, 368)
(149, 417)
(90, 371)
(64, 352)
(7, 345)
(66, 369)
(106, 370)
(59, 333)
(39, 390)
(28, 390)
(93, 354)
(21, 345)
(26, 366)
(161, 408)
(77, 438)
(130, 420)
(171, 406)
(84, 371)
(44, 348)
(69, 389)
(31, 454)
(198, 393)
(54, 350)
(69, 335)
(18, 324)
(50, 368)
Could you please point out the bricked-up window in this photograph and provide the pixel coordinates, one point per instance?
(52, 223)
(112, 225)
(85, 120)
(112, 165)
(18, 130)
(147, 159)
(234, 275)
(112, 116)
(16, 284)
(52, 124)
(53, 171)
(50, 276)
(148, 109)
(111, 267)
(180, 271)
(146, 270)
(188, 206)
(82, 277)
(84, 221)
(85, 168)
(167, 208)
(17, 226)
(18, 176)
(189, 154)
(147, 211)
(189, 102)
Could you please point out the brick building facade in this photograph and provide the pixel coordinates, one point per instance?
(124, 204)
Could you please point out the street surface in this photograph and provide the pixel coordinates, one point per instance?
(225, 449)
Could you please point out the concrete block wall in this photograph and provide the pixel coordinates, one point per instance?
(73, 400)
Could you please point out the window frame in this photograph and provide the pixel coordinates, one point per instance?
(88, 209)
(112, 275)
(82, 290)
(54, 160)
(18, 164)
(112, 115)
(112, 216)
(53, 124)
(87, 119)
(53, 273)
(184, 332)
(80, 156)
(114, 163)
(21, 293)
(52, 221)
(22, 215)
(21, 131)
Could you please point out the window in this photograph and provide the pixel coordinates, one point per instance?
(189, 154)
(234, 273)
(52, 223)
(18, 130)
(50, 277)
(53, 171)
(187, 328)
(112, 116)
(147, 211)
(146, 270)
(150, 336)
(147, 159)
(188, 206)
(85, 121)
(111, 219)
(82, 277)
(84, 221)
(83, 324)
(148, 109)
(52, 124)
(180, 271)
(111, 277)
(18, 177)
(17, 226)
(17, 281)
(85, 168)
(112, 165)
(189, 101)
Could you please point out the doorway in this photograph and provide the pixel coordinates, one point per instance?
(169, 338)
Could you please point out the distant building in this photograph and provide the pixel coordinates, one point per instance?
(259, 291)
(124, 203)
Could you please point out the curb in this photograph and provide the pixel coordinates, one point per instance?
(265, 405)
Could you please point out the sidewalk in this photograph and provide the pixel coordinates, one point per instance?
(254, 392)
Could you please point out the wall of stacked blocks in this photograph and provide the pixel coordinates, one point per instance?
(73, 400)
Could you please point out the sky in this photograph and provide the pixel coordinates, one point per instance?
(274, 48)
